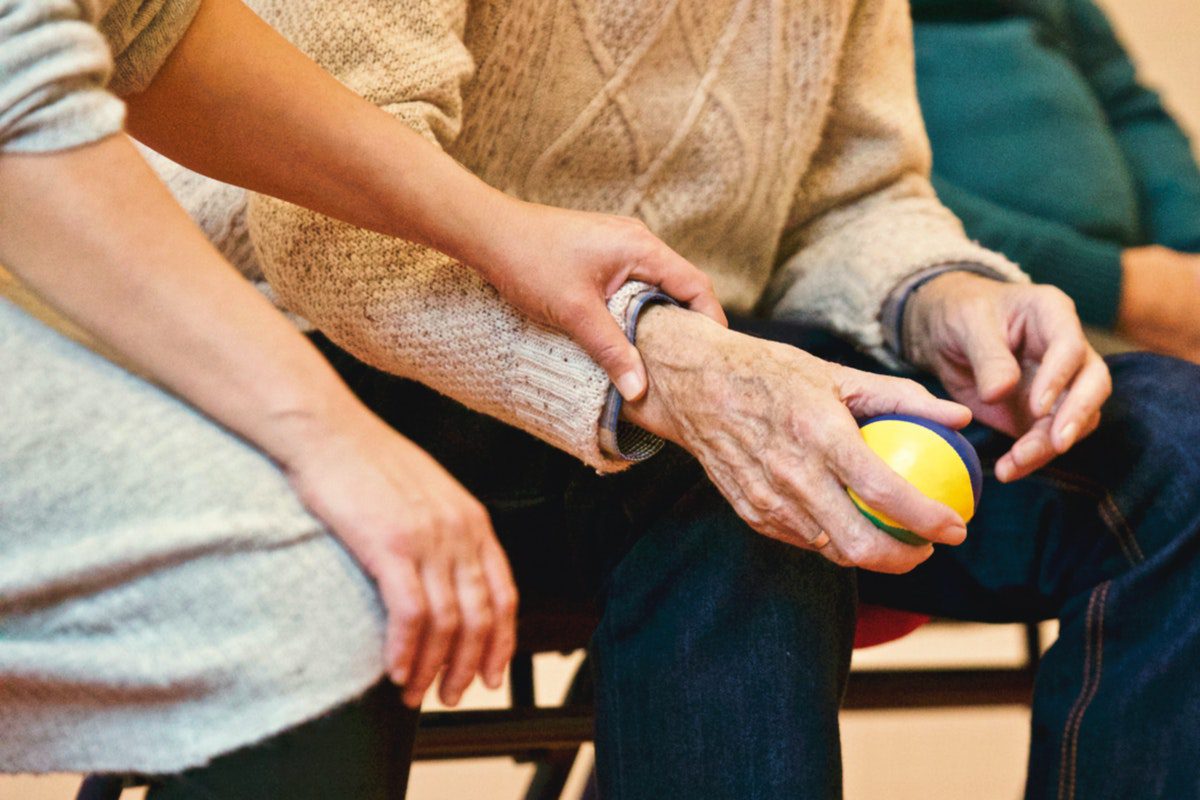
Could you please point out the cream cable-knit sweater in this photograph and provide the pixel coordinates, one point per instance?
(778, 145)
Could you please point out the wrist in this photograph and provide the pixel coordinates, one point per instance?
(676, 345)
(298, 426)
(1139, 278)
(924, 308)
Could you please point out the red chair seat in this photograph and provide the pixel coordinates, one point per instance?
(877, 625)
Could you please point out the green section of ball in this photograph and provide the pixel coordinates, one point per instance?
(902, 534)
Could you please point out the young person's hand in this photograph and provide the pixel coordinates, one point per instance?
(1015, 354)
(91, 230)
(426, 542)
(352, 161)
(1159, 292)
(560, 267)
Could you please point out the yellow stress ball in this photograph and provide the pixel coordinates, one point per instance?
(939, 461)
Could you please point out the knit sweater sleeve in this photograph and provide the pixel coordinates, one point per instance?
(54, 65)
(57, 71)
(1157, 151)
(1086, 268)
(398, 306)
(865, 217)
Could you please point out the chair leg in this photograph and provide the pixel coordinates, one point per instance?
(101, 787)
(591, 790)
(554, 769)
(551, 776)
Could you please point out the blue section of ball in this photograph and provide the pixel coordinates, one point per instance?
(955, 439)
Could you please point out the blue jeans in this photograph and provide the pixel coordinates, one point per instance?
(1107, 540)
(721, 655)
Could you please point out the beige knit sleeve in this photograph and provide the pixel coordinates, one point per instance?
(865, 216)
(398, 306)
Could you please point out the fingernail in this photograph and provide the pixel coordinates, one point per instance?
(1067, 437)
(956, 532)
(1025, 452)
(400, 676)
(1046, 402)
(630, 385)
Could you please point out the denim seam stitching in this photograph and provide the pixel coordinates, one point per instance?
(1091, 686)
(1110, 512)
(1113, 516)
(1087, 666)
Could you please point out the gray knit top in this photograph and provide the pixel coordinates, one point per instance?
(164, 596)
(61, 61)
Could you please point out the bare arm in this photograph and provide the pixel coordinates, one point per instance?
(95, 233)
(237, 102)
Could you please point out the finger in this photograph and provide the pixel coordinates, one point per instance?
(503, 592)
(790, 522)
(440, 632)
(1063, 360)
(1028, 454)
(856, 540)
(404, 598)
(466, 656)
(1090, 389)
(682, 281)
(887, 492)
(595, 330)
(868, 395)
(995, 369)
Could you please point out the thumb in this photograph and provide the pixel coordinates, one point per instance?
(995, 367)
(602, 338)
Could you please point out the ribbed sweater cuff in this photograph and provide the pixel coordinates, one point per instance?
(1087, 270)
(564, 395)
(620, 439)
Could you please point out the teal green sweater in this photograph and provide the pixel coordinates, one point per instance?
(1046, 145)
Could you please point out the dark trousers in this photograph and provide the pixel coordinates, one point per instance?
(721, 655)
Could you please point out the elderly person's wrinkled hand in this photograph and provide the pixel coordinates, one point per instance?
(775, 429)
(1015, 354)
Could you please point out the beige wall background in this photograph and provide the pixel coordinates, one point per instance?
(1164, 36)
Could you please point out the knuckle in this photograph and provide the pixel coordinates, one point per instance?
(910, 388)
(1056, 297)
(412, 612)
(446, 620)
(477, 515)
(858, 552)
(505, 602)
(639, 229)
(453, 521)
(704, 282)
(761, 497)
(572, 309)
(478, 621)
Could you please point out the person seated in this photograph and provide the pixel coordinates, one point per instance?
(780, 148)
(190, 567)
(1051, 150)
